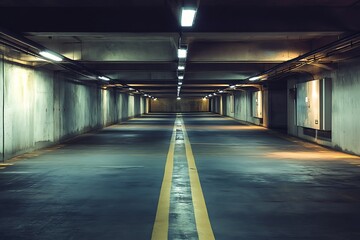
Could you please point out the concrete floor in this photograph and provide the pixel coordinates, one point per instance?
(256, 184)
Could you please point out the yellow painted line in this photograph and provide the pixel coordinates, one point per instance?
(202, 220)
(161, 225)
(6, 164)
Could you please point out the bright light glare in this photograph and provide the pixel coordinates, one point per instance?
(181, 77)
(50, 56)
(180, 83)
(182, 53)
(181, 67)
(104, 78)
(178, 98)
(233, 86)
(187, 17)
(254, 78)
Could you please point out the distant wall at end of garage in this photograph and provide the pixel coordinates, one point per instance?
(182, 105)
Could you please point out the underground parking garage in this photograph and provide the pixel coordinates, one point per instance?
(169, 119)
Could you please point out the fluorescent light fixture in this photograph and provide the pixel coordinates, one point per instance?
(210, 95)
(214, 94)
(255, 78)
(180, 83)
(180, 75)
(178, 98)
(187, 17)
(221, 91)
(103, 78)
(145, 95)
(181, 67)
(232, 86)
(179, 87)
(51, 56)
(182, 53)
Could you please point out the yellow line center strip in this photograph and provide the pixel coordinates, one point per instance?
(202, 220)
(161, 225)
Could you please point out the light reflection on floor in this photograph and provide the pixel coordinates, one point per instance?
(305, 155)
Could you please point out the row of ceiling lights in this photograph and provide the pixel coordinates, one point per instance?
(231, 87)
(187, 20)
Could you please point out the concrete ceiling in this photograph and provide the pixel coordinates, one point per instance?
(81, 3)
(135, 42)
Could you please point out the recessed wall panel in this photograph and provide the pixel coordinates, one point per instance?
(257, 104)
(313, 104)
(308, 104)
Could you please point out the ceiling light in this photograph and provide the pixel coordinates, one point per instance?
(232, 86)
(214, 94)
(51, 56)
(187, 17)
(181, 67)
(182, 52)
(254, 78)
(103, 78)
(180, 83)
(180, 75)
(178, 98)
(221, 91)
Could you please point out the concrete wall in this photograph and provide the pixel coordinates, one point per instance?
(241, 109)
(345, 111)
(2, 106)
(279, 107)
(42, 108)
(183, 105)
(346, 107)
